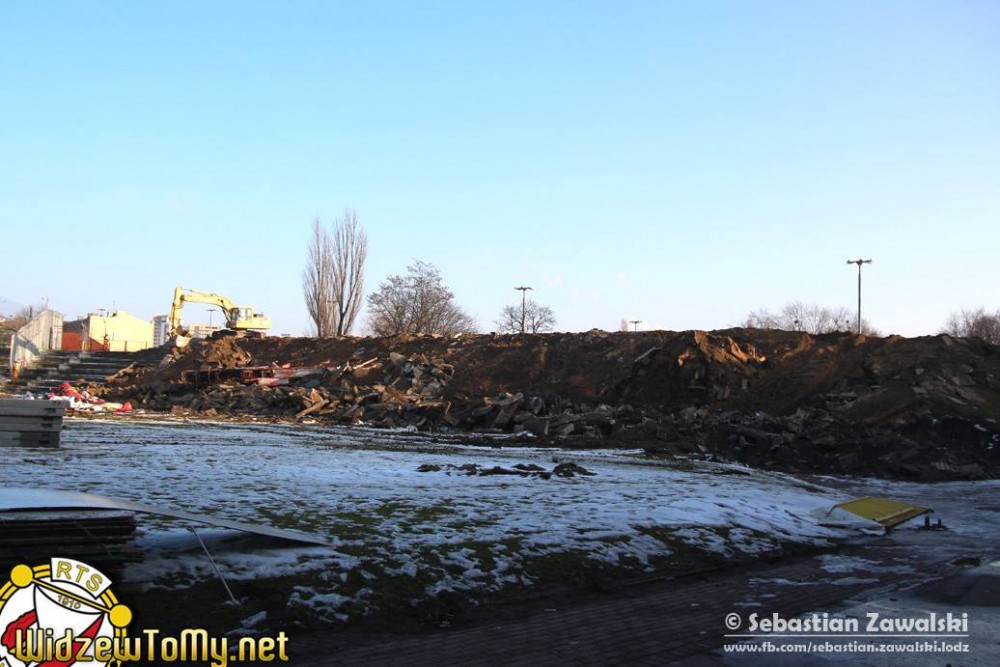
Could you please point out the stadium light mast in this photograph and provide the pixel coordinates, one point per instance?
(524, 293)
(859, 262)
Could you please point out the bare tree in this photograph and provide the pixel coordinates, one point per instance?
(317, 282)
(350, 250)
(416, 303)
(974, 323)
(810, 318)
(537, 318)
(10, 325)
(333, 280)
(21, 317)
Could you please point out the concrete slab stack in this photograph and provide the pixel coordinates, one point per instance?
(31, 423)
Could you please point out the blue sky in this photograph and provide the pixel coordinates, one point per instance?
(682, 163)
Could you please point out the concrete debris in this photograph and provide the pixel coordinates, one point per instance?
(31, 423)
(924, 408)
(565, 469)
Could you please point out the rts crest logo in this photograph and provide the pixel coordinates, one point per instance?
(56, 615)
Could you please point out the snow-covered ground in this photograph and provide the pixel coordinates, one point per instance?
(444, 529)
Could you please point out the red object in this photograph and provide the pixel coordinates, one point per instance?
(24, 621)
(89, 633)
(28, 619)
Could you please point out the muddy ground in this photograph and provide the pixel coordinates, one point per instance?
(907, 408)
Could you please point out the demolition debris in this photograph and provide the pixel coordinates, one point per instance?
(914, 408)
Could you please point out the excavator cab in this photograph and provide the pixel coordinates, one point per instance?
(245, 318)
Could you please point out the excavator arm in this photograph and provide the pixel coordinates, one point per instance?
(240, 318)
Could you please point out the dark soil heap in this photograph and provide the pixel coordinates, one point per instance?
(920, 408)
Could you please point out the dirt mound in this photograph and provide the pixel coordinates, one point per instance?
(923, 408)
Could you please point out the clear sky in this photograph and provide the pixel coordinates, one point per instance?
(677, 162)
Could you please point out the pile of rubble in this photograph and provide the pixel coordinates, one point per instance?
(924, 408)
(399, 391)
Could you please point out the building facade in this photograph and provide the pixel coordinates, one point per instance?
(108, 332)
(161, 330)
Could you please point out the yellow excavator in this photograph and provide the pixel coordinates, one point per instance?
(241, 319)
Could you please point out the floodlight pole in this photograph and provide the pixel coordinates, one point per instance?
(524, 293)
(859, 262)
(635, 324)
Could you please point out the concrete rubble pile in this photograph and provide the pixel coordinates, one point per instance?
(910, 408)
(397, 392)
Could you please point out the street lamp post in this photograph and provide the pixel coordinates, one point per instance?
(859, 262)
(635, 325)
(524, 293)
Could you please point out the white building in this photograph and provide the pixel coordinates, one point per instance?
(201, 330)
(161, 330)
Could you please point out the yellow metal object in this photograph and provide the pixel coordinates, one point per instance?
(887, 512)
(240, 318)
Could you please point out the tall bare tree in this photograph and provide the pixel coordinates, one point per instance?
(416, 303)
(333, 279)
(317, 282)
(350, 250)
(537, 318)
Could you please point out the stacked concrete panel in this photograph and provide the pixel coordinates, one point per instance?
(31, 423)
